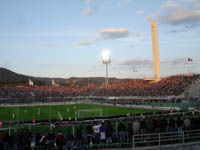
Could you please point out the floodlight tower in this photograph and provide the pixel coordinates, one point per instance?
(106, 60)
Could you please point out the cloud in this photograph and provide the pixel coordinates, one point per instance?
(178, 61)
(84, 43)
(132, 46)
(178, 31)
(177, 13)
(149, 63)
(192, 26)
(189, 1)
(140, 12)
(51, 44)
(168, 5)
(114, 33)
(182, 16)
(89, 11)
(197, 5)
(126, 2)
(137, 62)
(90, 1)
(150, 17)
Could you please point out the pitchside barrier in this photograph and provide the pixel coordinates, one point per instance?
(167, 139)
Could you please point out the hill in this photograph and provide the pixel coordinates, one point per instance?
(8, 77)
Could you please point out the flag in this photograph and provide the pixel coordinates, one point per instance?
(30, 82)
(53, 82)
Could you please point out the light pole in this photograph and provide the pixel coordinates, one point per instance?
(106, 60)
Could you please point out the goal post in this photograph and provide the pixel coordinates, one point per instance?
(87, 113)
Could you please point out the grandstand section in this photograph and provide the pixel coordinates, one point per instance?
(193, 90)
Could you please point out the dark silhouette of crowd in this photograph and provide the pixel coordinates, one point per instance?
(170, 86)
(100, 132)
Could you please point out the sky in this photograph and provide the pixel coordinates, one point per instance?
(65, 38)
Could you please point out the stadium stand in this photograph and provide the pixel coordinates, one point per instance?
(170, 86)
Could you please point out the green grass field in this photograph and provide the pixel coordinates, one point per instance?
(66, 112)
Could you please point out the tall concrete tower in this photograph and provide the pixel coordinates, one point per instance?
(156, 56)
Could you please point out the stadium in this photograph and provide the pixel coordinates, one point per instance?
(47, 110)
(135, 114)
(83, 109)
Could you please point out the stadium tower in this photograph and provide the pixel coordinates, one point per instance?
(156, 56)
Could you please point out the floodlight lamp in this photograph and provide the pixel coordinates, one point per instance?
(106, 56)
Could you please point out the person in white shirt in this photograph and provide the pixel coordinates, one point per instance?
(96, 129)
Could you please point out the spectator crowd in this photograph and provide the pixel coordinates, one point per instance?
(170, 86)
(100, 132)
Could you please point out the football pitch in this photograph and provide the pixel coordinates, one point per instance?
(60, 112)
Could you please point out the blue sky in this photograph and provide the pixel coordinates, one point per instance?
(64, 38)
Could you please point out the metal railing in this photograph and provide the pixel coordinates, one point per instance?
(167, 139)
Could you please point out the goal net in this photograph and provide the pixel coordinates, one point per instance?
(88, 113)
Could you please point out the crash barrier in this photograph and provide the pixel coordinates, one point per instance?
(167, 139)
(146, 141)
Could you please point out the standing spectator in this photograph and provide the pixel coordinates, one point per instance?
(22, 140)
(79, 136)
(102, 133)
(6, 142)
(15, 140)
(163, 124)
(69, 140)
(179, 126)
(172, 127)
(84, 134)
(187, 124)
(157, 125)
(27, 139)
(1, 140)
(51, 138)
(60, 140)
(37, 139)
(143, 126)
(150, 125)
(109, 132)
(89, 134)
(130, 131)
(96, 128)
(136, 127)
(122, 132)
